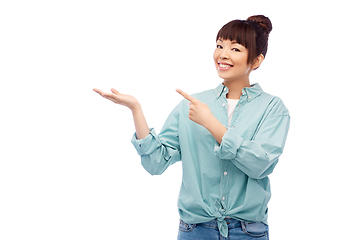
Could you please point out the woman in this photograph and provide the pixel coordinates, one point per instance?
(229, 140)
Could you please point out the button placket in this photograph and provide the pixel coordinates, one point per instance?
(224, 180)
(223, 118)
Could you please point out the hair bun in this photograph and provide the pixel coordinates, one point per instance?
(264, 22)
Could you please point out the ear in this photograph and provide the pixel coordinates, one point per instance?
(258, 61)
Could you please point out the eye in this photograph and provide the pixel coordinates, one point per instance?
(236, 50)
(219, 47)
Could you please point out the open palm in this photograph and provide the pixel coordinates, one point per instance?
(118, 98)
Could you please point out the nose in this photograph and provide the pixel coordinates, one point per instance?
(224, 55)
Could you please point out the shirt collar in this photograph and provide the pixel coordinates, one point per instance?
(251, 92)
(220, 90)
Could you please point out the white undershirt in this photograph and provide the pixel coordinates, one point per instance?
(231, 107)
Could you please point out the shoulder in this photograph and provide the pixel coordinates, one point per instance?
(275, 104)
(204, 94)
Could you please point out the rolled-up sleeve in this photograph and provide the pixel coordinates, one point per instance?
(257, 157)
(146, 145)
(158, 152)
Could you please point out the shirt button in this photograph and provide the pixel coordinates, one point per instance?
(249, 97)
(223, 198)
(223, 104)
(225, 173)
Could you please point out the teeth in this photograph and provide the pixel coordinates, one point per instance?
(224, 65)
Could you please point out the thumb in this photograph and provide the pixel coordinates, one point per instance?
(114, 91)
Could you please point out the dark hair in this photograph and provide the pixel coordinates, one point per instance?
(252, 33)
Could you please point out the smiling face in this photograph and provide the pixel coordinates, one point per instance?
(231, 60)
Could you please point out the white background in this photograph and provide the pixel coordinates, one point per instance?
(67, 167)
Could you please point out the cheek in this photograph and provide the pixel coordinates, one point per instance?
(240, 61)
(215, 56)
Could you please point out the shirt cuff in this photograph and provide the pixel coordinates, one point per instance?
(230, 144)
(146, 145)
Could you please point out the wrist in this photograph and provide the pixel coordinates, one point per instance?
(136, 107)
(211, 123)
(216, 129)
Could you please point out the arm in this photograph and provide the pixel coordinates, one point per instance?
(216, 129)
(257, 157)
(157, 152)
(142, 129)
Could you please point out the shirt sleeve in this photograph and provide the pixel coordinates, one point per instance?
(158, 152)
(257, 157)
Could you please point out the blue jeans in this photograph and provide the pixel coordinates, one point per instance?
(238, 230)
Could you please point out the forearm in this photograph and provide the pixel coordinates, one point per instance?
(256, 157)
(141, 127)
(216, 129)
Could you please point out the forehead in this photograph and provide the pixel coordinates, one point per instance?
(227, 41)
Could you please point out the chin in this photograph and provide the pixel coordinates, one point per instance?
(226, 77)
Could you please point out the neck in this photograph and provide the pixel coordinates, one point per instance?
(235, 88)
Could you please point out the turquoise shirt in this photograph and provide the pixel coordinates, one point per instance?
(227, 180)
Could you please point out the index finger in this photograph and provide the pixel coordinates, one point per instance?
(186, 96)
(98, 91)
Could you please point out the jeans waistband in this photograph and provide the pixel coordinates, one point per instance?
(232, 223)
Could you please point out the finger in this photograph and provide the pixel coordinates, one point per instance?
(186, 96)
(114, 91)
(98, 91)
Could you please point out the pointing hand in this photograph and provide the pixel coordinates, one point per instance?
(199, 112)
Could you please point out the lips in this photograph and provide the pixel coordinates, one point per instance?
(224, 66)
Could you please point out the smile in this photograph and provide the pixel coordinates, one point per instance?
(224, 66)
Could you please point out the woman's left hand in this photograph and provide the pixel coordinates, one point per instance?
(198, 112)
